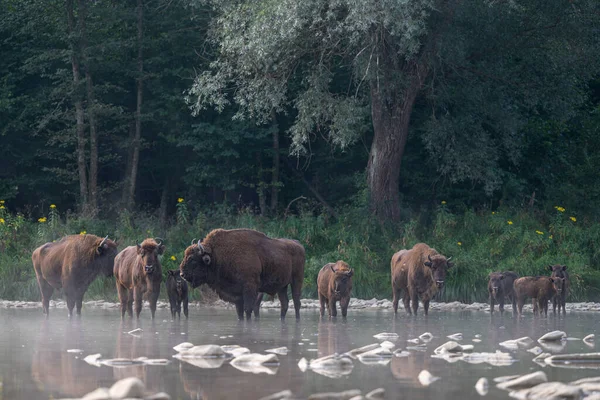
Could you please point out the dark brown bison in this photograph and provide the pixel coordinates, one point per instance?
(539, 288)
(399, 279)
(72, 264)
(334, 283)
(138, 272)
(426, 274)
(240, 263)
(177, 290)
(562, 291)
(500, 286)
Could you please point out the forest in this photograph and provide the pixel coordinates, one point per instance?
(357, 127)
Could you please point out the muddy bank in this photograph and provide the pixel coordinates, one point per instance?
(355, 304)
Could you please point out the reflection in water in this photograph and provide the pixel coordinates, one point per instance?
(332, 337)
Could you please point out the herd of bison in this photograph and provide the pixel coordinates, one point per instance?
(241, 265)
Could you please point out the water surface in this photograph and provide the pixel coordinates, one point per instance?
(35, 364)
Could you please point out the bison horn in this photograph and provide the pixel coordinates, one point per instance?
(103, 241)
(449, 258)
(201, 248)
(429, 257)
(193, 241)
(159, 240)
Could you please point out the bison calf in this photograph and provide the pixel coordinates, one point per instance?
(138, 272)
(177, 290)
(562, 290)
(500, 286)
(539, 288)
(334, 284)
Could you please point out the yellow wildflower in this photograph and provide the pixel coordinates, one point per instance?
(493, 212)
(82, 233)
(539, 232)
(459, 243)
(2, 221)
(52, 205)
(443, 201)
(558, 208)
(173, 258)
(551, 237)
(1, 201)
(180, 200)
(509, 222)
(42, 220)
(573, 219)
(1, 207)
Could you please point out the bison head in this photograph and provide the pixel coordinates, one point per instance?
(439, 265)
(148, 253)
(106, 251)
(196, 266)
(495, 283)
(558, 270)
(558, 284)
(342, 275)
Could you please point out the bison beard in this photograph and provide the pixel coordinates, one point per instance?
(240, 263)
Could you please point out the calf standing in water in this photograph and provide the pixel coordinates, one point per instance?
(539, 288)
(562, 291)
(177, 290)
(138, 272)
(335, 283)
(501, 286)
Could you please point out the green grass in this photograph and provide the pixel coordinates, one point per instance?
(487, 243)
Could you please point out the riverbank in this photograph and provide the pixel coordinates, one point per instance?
(355, 304)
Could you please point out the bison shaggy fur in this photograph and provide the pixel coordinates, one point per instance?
(72, 264)
(562, 291)
(426, 275)
(334, 283)
(177, 290)
(500, 286)
(138, 272)
(539, 288)
(240, 263)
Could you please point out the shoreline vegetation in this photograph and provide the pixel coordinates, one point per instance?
(525, 241)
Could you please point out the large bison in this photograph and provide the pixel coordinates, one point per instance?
(240, 263)
(500, 286)
(138, 272)
(562, 291)
(72, 264)
(426, 274)
(334, 283)
(399, 279)
(539, 288)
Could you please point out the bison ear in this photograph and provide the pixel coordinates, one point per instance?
(449, 264)
(350, 273)
(161, 249)
(206, 259)
(331, 266)
(171, 272)
(551, 280)
(501, 277)
(564, 267)
(428, 264)
(550, 267)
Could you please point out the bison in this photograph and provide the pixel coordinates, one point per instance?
(334, 283)
(560, 271)
(539, 288)
(426, 274)
(72, 264)
(177, 290)
(240, 263)
(138, 271)
(399, 279)
(500, 286)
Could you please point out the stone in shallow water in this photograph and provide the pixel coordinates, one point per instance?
(386, 336)
(98, 394)
(552, 336)
(256, 363)
(514, 344)
(426, 337)
(453, 347)
(183, 346)
(208, 363)
(93, 359)
(499, 379)
(74, 351)
(577, 360)
(589, 338)
(158, 396)
(414, 341)
(387, 345)
(282, 351)
(378, 393)
(235, 350)
(524, 381)
(207, 351)
(345, 395)
(127, 388)
(375, 354)
(482, 386)
(497, 359)
(332, 366)
(549, 390)
(284, 394)
(355, 352)
(455, 336)
(536, 350)
(555, 346)
(426, 379)
(540, 358)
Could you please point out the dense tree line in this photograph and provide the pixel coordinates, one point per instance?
(276, 106)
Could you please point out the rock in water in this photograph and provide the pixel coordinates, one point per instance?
(346, 395)
(284, 394)
(98, 394)
(159, 396)
(386, 336)
(524, 381)
(426, 379)
(549, 390)
(235, 350)
(387, 345)
(206, 351)
(127, 388)
(256, 363)
(183, 346)
(552, 336)
(453, 347)
(414, 341)
(455, 336)
(303, 364)
(589, 338)
(426, 337)
(578, 360)
(333, 366)
(93, 359)
(355, 352)
(282, 351)
(378, 393)
(482, 386)
(536, 350)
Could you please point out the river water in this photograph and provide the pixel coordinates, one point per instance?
(35, 364)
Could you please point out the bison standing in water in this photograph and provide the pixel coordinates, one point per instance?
(334, 283)
(177, 290)
(562, 291)
(426, 274)
(399, 279)
(72, 264)
(540, 288)
(500, 286)
(240, 263)
(138, 272)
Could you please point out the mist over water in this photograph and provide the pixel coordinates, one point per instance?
(35, 364)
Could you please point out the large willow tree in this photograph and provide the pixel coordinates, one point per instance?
(478, 70)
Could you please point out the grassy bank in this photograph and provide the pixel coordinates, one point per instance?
(480, 242)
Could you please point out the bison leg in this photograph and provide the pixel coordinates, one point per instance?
(239, 308)
(185, 308)
(130, 304)
(152, 299)
(70, 304)
(501, 304)
(406, 301)
(492, 303)
(249, 299)
(520, 304)
(332, 309)
(137, 298)
(514, 304)
(426, 306)
(285, 300)
(46, 291)
(323, 301)
(395, 299)
(296, 292)
(344, 302)
(259, 300)
(414, 298)
(563, 301)
(534, 303)
(124, 298)
(79, 304)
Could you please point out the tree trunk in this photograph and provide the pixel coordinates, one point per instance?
(260, 188)
(78, 102)
(92, 206)
(275, 176)
(138, 112)
(164, 202)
